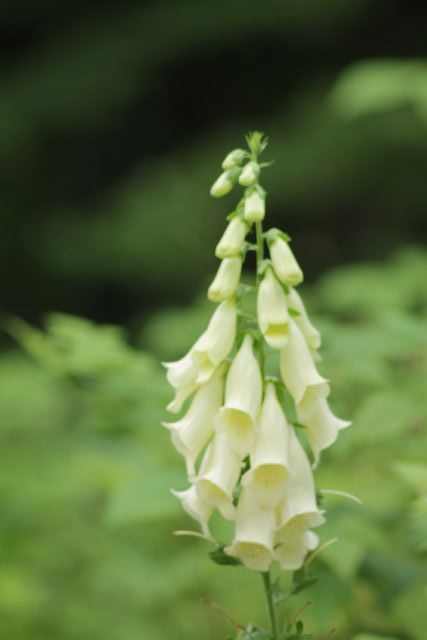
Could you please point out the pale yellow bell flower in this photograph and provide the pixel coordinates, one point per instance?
(253, 539)
(272, 312)
(218, 475)
(310, 333)
(243, 393)
(322, 426)
(232, 240)
(292, 546)
(250, 174)
(254, 209)
(195, 507)
(226, 280)
(299, 505)
(192, 432)
(284, 262)
(270, 454)
(299, 372)
(216, 342)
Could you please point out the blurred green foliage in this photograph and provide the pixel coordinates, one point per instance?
(87, 518)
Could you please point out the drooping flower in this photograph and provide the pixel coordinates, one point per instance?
(310, 333)
(243, 392)
(292, 545)
(284, 262)
(226, 280)
(181, 375)
(195, 507)
(299, 372)
(253, 539)
(269, 456)
(216, 342)
(218, 475)
(273, 319)
(322, 426)
(233, 238)
(191, 433)
(254, 210)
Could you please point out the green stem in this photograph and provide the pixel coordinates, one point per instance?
(259, 259)
(270, 604)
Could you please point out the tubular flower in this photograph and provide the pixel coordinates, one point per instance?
(285, 265)
(269, 456)
(299, 372)
(310, 333)
(244, 458)
(243, 392)
(218, 475)
(232, 239)
(192, 432)
(226, 280)
(273, 319)
(322, 426)
(216, 342)
(253, 540)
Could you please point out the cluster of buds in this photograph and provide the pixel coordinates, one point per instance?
(244, 456)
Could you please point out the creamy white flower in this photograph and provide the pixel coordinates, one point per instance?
(183, 372)
(191, 433)
(232, 239)
(284, 263)
(310, 333)
(292, 546)
(299, 505)
(298, 370)
(253, 539)
(243, 393)
(181, 396)
(270, 453)
(218, 475)
(216, 342)
(195, 507)
(322, 426)
(226, 280)
(272, 311)
(234, 158)
(254, 210)
(224, 183)
(250, 173)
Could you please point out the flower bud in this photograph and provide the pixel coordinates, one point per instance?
(322, 426)
(226, 280)
(224, 183)
(285, 265)
(232, 240)
(234, 158)
(254, 210)
(299, 373)
(218, 476)
(243, 392)
(272, 311)
(310, 333)
(269, 455)
(191, 433)
(253, 539)
(250, 174)
(195, 507)
(216, 342)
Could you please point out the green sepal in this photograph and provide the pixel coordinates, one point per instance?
(232, 215)
(257, 142)
(219, 556)
(264, 265)
(298, 425)
(254, 633)
(235, 157)
(273, 234)
(293, 312)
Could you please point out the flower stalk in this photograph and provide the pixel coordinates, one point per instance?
(243, 456)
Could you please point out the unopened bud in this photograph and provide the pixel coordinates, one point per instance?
(254, 207)
(226, 280)
(224, 183)
(250, 174)
(234, 158)
(232, 240)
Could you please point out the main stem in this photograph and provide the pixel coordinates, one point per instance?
(259, 259)
(270, 604)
